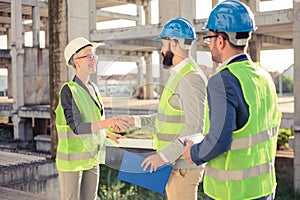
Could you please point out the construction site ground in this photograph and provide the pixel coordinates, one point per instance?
(10, 159)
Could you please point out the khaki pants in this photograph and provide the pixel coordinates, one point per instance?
(82, 185)
(183, 184)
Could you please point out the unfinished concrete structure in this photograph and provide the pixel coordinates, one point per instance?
(34, 71)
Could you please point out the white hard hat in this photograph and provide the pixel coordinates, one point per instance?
(74, 46)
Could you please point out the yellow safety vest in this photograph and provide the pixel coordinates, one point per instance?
(247, 170)
(170, 121)
(78, 152)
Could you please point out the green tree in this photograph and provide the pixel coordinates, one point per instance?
(287, 84)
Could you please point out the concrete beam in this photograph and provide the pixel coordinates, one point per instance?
(5, 53)
(5, 20)
(284, 43)
(120, 52)
(119, 55)
(42, 4)
(110, 3)
(273, 18)
(113, 15)
(35, 111)
(137, 32)
(262, 19)
(145, 43)
(119, 58)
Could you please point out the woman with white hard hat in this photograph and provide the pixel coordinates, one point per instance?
(81, 124)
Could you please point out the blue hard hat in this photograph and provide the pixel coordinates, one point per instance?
(178, 28)
(231, 16)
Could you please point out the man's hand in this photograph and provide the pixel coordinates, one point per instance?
(153, 161)
(128, 119)
(186, 152)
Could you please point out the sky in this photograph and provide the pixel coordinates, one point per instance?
(272, 59)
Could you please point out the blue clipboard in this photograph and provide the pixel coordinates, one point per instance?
(132, 172)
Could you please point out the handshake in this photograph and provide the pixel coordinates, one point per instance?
(121, 123)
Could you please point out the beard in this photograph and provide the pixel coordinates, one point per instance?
(168, 59)
(216, 56)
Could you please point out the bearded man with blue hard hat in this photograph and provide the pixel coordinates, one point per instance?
(242, 115)
(181, 110)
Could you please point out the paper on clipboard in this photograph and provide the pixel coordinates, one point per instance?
(196, 138)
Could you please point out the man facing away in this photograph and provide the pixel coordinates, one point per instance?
(240, 144)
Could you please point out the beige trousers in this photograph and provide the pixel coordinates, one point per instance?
(183, 184)
(82, 185)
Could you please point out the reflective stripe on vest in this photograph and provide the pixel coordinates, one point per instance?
(77, 156)
(171, 119)
(64, 135)
(167, 137)
(251, 141)
(169, 122)
(239, 175)
(246, 170)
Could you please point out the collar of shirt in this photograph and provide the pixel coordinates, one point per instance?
(77, 80)
(230, 59)
(176, 69)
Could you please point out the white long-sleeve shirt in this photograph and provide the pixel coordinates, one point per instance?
(189, 96)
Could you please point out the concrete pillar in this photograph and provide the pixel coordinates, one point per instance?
(36, 26)
(253, 4)
(140, 81)
(9, 81)
(147, 10)
(296, 46)
(214, 3)
(148, 88)
(81, 21)
(254, 48)
(45, 21)
(139, 13)
(9, 37)
(58, 70)
(280, 84)
(255, 43)
(169, 9)
(17, 55)
(149, 79)
(9, 68)
(92, 26)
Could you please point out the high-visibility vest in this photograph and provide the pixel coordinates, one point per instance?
(170, 121)
(247, 170)
(78, 152)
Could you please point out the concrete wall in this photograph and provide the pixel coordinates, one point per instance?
(287, 120)
(36, 76)
(35, 177)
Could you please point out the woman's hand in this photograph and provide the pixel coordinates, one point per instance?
(114, 136)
